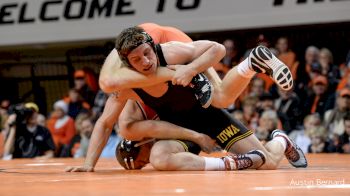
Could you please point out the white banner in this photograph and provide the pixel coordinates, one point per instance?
(44, 21)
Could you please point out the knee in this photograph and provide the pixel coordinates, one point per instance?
(222, 100)
(160, 160)
(128, 133)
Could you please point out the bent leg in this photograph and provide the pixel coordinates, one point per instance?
(171, 155)
(230, 89)
(273, 150)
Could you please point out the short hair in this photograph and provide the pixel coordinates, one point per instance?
(129, 39)
(313, 49)
(270, 114)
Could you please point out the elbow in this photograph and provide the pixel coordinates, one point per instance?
(108, 85)
(126, 132)
(128, 135)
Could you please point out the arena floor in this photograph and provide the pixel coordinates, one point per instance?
(328, 174)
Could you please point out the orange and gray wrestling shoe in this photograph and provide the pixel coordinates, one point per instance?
(253, 159)
(293, 152)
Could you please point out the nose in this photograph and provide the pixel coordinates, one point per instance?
(145, 61)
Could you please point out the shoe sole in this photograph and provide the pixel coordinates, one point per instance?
(277, 70)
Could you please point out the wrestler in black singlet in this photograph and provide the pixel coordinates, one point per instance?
(180, 107)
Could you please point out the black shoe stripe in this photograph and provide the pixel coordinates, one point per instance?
(258, 63)
(264, 53)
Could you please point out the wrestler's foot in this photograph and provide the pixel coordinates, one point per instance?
(253, 159)
(293, 152)
(261, 60)
(203, 89)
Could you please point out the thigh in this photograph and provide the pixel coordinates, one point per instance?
(219, 125)
(247, 144)
(174, 146)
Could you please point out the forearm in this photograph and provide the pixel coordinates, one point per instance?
(125, 78)
(10, 141)
(114, 76)
(98, 140)
(158, 129)
(210, 57)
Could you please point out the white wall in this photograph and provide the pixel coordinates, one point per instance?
(27, 21)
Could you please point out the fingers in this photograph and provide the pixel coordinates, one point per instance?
(68, 169)
(180, 81)
(76, 169)
(172, 67)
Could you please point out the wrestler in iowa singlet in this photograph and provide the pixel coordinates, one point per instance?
(179, 106)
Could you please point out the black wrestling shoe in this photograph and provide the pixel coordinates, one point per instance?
(261, 60)
(203, 89)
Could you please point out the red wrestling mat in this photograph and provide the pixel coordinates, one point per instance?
(328, 174)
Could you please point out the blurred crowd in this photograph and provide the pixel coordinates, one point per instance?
(315, 114)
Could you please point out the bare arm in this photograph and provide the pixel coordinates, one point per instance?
(10, 142)
(114, 76)
(133, 127)
(198, 56)
(101, 132)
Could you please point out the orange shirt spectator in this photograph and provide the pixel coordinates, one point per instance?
(61, 126)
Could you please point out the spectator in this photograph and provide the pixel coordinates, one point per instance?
(76, 104)
(266, 102)
(80, 84)
(231, 58)
(318, 136)
(99, 104)
(319, 101)
(250, 114)
(344, 82)
(61, 127)
(258, 87)
(41, 120)
(345, 67)
(334, 117)
(27, 139)
(286, 55)
(300, 137)
(268, 122)
(80, 143)
(304, 70)
(344, 140)
(329, 70)
(288, 109)
(238, 115)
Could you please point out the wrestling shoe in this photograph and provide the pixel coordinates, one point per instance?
(261, 60)
(293, 152)
(253, 159)
(203, 89)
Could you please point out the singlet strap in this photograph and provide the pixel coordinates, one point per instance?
(160, 55)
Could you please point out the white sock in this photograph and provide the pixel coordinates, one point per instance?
(214, 164)
(244, 70)
(281, 140)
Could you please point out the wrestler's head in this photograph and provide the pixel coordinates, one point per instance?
(136, 48)
(134, 155)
